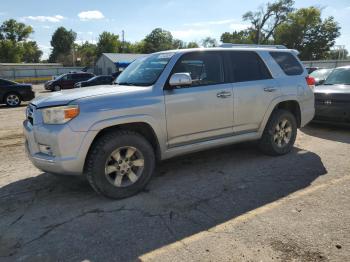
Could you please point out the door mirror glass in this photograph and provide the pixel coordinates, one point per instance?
(180, 79)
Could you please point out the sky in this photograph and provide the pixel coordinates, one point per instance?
(187, 20)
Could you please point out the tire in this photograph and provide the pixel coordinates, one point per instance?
(275, 142)
(100, 162)
(56, 88)
(12, 100)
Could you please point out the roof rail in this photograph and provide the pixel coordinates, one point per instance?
(229, 45)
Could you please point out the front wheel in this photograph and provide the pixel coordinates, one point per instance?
(12, 100)
(279, 134)
(56, 88)
(120, 164)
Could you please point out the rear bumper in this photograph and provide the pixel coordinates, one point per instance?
(69, 148)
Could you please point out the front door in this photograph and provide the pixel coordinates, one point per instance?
(203, 110)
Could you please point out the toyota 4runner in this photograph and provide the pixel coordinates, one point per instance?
(168, 104)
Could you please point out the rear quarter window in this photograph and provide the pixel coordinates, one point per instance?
(288, 63)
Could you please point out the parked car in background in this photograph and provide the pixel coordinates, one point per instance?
(332, 99)
(168, 104)
(12, 93)
(95, 81)
(67, 81)
(311, 69)
(320, 75)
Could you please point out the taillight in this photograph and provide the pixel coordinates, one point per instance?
(310, 81)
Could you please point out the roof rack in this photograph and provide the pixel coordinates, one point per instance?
(229, 45)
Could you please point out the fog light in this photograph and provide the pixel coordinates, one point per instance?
(45, 149)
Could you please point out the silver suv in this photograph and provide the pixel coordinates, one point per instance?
(168, 104)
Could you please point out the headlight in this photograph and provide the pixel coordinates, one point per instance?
(60, 114)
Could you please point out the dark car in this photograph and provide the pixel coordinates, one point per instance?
(95, 81)
(67, 81)
(320, 75)
(12, 93)
(332, 99)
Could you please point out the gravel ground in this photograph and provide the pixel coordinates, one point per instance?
(227, 204)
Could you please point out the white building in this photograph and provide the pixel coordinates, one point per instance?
(106, 64)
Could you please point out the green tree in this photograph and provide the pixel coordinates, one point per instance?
(192, 45)
(31, 52)
(308, 33)
(62, 42)
(209, 42)
(87, 54)
(108, 43)
(338, 54)
(15, 31)
(10, 51)
(178, 44)
(157, 40)
(237, 37)
(265, 21)
(14, 47)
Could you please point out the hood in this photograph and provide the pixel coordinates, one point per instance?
(332, 89)
(67, 96)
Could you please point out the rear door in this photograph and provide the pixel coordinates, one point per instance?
(253, 89)
(203, 110)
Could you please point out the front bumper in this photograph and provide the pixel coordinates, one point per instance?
(27, 96)
(333, 112)
(69, 148)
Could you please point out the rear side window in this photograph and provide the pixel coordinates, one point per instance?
(247, 66)
(205, 68)
(288, 63)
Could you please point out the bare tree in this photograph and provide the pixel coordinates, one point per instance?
(266, 19)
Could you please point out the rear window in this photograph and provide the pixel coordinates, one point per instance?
(247, 66)
(288, 63)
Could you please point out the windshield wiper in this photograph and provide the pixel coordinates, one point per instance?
(125, 84)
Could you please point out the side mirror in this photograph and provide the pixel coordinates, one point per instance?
(180, 79)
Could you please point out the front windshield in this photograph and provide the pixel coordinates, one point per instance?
(339, 76)
(321, 73)
(144, 71)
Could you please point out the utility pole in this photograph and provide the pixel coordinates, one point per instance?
(123, 40)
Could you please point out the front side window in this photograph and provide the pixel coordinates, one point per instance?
(339, 76)
(247, 66)
(288, 63)
(204, 68)
(144, 71)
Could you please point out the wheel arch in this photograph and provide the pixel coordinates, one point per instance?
(143, 128)
(289, 103)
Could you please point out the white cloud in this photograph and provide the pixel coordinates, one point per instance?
(90, 15)
(238, 26)
(216, 22)
(190, 34)
(41, 18)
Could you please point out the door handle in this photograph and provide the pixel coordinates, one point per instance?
(223, 94)
(270, 89)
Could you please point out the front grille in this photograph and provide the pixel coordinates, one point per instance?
(30, 113)
(332, 98)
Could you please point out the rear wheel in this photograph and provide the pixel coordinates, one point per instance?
(120, 164)
(279, 134)
(12, 100)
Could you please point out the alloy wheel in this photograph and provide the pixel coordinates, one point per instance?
(124, 166)
(282, 133)
(12, 100)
